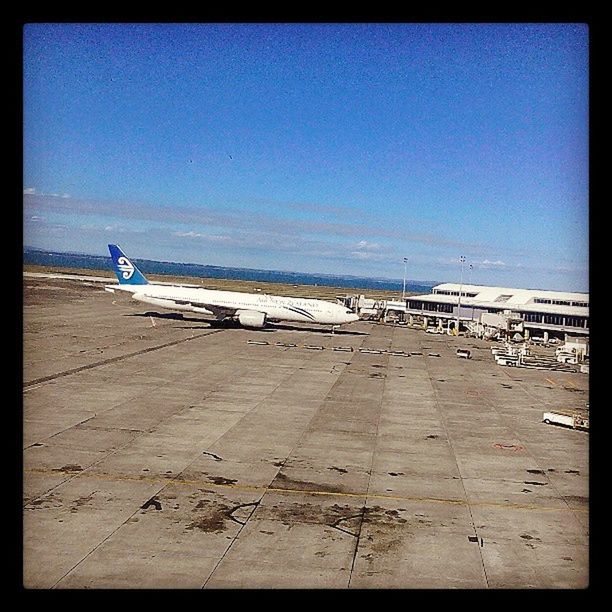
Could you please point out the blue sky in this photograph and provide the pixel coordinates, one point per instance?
(330, 148)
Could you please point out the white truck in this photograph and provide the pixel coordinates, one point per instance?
(567, 357)
(575, 421)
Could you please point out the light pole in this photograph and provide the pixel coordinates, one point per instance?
(462, 260)
(404, 288)
(471, 268)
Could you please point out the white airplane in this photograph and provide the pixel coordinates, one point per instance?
(248, 309)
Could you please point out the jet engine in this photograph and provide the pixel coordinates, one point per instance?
(250, 318)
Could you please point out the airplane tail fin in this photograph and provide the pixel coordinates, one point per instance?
(126, 271)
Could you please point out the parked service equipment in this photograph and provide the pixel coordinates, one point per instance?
(575, 421)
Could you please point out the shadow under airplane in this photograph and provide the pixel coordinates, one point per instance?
(229, 324)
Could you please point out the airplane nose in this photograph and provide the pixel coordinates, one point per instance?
(354, 317)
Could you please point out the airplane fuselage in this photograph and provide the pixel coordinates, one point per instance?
(241, 306)
(249, 309)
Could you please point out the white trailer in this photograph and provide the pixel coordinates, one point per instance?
(567, 357)
(575, 421)
(508, 360)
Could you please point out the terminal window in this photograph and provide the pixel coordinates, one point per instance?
(553, 319)
(575, 322)
(463, 293)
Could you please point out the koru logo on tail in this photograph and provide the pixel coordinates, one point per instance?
(126, 267)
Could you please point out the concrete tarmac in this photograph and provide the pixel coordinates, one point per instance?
(162, 451)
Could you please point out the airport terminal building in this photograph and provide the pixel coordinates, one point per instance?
(533, 312)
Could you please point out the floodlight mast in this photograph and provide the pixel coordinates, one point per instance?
(462, 260)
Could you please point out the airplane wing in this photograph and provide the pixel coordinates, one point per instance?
(169, 302)
(247, 317)
(219, 312)
(222, 312)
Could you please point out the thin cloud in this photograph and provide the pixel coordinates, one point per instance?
(368, 246)
(334, 209)
(367, 255)
(207, 237)
(493, 264)
(368, 251)
(33, 191)
(239, 219)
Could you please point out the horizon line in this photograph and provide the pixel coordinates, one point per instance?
(182, 263)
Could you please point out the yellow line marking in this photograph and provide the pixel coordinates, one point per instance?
(552, 382)
(256, 489)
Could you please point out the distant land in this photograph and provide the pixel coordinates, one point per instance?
(41, 257)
